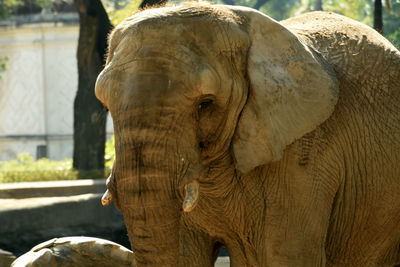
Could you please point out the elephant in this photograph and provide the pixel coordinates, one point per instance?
(277, 140)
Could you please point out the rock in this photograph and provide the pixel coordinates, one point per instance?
(222, 262)
(6, 258)
(25, 223)
(76, 251)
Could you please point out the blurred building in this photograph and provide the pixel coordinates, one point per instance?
(38, 88)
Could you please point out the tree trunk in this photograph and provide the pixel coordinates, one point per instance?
(318, 5)
(89, 113)
(378, 20)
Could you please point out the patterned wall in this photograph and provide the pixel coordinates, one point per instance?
(37, 91)
(21, 102)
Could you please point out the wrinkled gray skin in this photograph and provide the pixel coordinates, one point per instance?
(280, 141)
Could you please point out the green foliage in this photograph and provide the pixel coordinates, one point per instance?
(248, 3)
(25, 169)
(6, 7)
(3, 64)
(391, 23)
(278, 9)
(42, 3)
(360, 10)
(109, 155)
(118, 10)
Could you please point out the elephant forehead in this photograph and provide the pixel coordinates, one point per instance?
(186, 39)
(173, 27)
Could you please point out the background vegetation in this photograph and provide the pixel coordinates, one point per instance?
(361, 10)
(25, 169)
(391, 23)
(3, 65)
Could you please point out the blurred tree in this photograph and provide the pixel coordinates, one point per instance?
(228, 2)
(280, 10)
(259, 4)
(318, 5)
(12, 7)
(378, 14)
(89, 114)
(360, 10)
(391, 20)
(6, 7)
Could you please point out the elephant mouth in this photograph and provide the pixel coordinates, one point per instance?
(218, 246)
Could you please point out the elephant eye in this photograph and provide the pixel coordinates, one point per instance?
(205, 104)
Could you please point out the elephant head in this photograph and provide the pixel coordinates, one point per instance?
(200, 95)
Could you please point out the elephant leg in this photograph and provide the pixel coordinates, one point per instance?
(295, 244)
(297, 217)
(197, 249)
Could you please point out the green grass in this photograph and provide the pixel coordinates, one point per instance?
(25, 169)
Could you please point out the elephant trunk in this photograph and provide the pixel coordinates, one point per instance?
(151, 211)
(145, 184)
(154, 233)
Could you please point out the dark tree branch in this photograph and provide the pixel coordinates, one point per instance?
(388, 6)
(378, 20)
(318, 5)
(259, 4)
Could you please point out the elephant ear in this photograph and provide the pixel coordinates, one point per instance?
(292, 91)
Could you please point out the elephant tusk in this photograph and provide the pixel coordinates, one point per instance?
(106, 199)
(191, 196)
